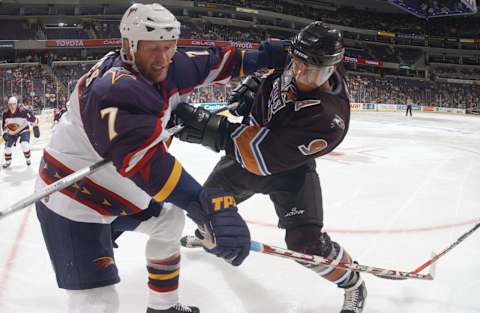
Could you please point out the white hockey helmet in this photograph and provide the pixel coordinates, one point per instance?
(147, 22)
(12, 100)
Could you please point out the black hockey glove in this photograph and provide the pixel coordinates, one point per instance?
(36, 131)
(5, 137)
(222, 230)
(209, 130)
(241, 101)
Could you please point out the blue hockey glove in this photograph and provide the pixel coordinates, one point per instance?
(223, 231)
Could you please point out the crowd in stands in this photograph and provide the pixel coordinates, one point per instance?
(224, 33)
(34, 86)
(401, 23)
(49, 84)
(39, 88)
(395, 90)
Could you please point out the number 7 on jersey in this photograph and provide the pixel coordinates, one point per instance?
(112, 116)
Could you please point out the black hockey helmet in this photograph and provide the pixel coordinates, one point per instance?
(318, 44)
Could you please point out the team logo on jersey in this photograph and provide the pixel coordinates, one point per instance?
(305, 103)
(337, 122)
(104, 261)
(118, 73)
(280, 99)
(13, 127)
(313, 147)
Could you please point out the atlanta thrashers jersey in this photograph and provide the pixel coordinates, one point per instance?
(117, 114)
(287, 127)
(18, 121)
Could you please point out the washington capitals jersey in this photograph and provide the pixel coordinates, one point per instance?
(287, 127)
(117, 114)
(18, 121)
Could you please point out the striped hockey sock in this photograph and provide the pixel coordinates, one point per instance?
(163, 274)
(343, 278)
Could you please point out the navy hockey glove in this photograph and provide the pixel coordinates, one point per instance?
(36, 131)
(209, 130)
(223, 231)
(5, 137)
(277, 52)
(241, 101)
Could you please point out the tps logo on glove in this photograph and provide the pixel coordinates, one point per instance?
(225, 202)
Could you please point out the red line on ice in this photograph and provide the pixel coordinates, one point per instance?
(383, 231)
(12, 255)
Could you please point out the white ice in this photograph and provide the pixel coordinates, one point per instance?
(395, 190)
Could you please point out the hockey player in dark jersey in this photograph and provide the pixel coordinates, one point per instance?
(57, 114)
(16, 124)
(292, 118)
(119, 111)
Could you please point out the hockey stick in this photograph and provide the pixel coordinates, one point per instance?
(73, 178)
(453, 245)
(64, 182)
(194, 242)
(47, 190)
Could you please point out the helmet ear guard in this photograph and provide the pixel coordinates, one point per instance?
(146, 22)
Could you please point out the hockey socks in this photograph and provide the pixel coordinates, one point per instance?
(343, 278)
(163, 278)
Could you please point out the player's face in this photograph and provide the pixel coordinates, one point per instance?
(310, 75)
(12, 107)
(153, 58)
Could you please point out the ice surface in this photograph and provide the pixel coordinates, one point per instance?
(396, 189)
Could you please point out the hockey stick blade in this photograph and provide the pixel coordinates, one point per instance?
(435, 257)
(194, 242)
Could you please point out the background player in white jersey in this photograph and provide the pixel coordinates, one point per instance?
(292, 117)
(16, 124)
(119, 111)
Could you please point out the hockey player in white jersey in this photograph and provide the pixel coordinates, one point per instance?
(119, 112)
(16, 124)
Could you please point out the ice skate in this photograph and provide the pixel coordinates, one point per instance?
(177, 308)
(354, 298)
(6, 164)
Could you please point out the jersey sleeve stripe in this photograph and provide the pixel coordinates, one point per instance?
(170, 184)
(242, 72)
(217, 72)
(258, 153)
(243, 141)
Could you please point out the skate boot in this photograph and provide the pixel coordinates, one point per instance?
(177, 308)
(6, 164)
(28, 162)
(354, 298)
